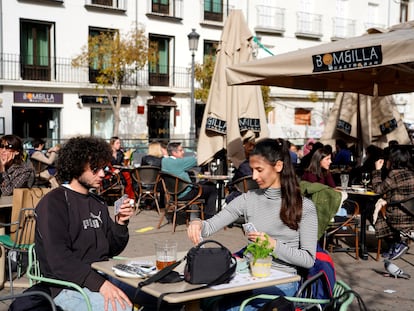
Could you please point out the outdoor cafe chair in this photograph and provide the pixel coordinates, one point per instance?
(344, 227)
(111, 187)
(341, 293)
(173, 187)
(35, 276)
(147, 180)
(19, 239)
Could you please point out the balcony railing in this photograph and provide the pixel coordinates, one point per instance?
(60, 70)
(309, 25)
(343, 27)
(270, 18)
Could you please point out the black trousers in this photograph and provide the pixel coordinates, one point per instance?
(209, 195)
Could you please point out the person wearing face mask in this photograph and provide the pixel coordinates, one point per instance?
(14, 172)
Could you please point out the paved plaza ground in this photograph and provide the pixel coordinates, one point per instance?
(379, 292)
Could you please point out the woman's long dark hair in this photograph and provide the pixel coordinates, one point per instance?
(273, 150)
(315, 163)
(400, 157)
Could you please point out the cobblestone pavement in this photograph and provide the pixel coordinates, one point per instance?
(366, 277)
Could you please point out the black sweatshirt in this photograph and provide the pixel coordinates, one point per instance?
(74, 230)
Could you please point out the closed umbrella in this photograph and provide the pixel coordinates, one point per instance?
(232, 113)
(380, 62)
(365, 120)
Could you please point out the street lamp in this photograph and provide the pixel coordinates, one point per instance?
(193, 37)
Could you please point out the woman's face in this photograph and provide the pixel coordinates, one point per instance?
(117, 144)
(7, 153)
(326, 162)
(265, 174)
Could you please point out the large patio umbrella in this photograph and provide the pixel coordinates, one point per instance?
(365, 120)
(232, 113)
(380, 62)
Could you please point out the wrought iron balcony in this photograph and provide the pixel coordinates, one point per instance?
(343, 28)
(270, 19)
(60, 70)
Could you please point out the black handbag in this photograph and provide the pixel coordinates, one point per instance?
(209, 265)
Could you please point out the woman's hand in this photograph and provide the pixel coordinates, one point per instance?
(253, 235)
(111, 294)
(125, 212)
(378, 164)
(194, 231)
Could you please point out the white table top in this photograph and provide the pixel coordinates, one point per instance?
(240, 283)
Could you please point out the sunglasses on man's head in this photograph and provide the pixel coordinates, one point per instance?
(6, 146)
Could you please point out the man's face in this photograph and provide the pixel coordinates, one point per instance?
(92, 177)
(179, 153)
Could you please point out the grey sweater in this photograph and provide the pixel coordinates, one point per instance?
(262, 208)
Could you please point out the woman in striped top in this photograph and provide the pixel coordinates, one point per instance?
(276, 209)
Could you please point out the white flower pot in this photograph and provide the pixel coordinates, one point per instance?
(261, 268)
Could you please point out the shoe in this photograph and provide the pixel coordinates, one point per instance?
(398, 250)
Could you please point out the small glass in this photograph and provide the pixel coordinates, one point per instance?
(165, 253)
(344, 181)
(366, 178)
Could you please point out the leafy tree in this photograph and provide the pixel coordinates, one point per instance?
(115, 58)
(203, 73)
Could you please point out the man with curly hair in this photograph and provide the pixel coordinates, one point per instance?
(74, 228)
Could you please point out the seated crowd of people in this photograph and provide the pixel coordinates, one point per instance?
(276, 209)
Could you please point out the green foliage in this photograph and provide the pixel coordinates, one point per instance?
(115, 57)
(259, 249)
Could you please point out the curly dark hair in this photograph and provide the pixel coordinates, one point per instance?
(78, 152)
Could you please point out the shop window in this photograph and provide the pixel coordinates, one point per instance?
(302, 116)
(213, 10)
(159, 71)
(35, 50)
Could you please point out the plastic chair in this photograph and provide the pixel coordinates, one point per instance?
(35, 276)
(348, 227)
(344, 299)
(173, 187)
(147, 178)
(18, 241)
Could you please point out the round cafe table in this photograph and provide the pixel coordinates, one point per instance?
(220, 181)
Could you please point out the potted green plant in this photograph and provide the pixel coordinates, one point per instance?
(261, 253)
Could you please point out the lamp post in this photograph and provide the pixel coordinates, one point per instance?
(193, 37)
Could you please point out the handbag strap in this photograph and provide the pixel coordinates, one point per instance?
(160, 274)
(220, 279)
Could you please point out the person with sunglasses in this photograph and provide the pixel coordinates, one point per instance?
(74, 229)
(14, 171)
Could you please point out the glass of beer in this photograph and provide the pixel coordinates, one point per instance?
(165, 253)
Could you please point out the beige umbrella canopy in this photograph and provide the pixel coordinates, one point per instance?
(365, 120)
(232, 113)
(379, 62)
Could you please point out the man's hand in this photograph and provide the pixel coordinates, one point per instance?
(125, 212)
(111, 294)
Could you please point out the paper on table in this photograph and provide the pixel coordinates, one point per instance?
(247, 278)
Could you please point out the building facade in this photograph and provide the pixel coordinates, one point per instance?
(43, 95)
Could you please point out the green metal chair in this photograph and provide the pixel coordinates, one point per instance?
(19, 239)
(35, 276)
(344, 300)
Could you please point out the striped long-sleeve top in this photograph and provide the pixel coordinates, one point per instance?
(262, 208)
